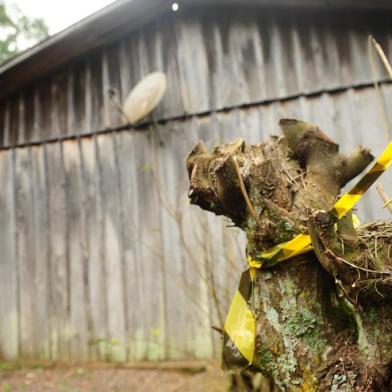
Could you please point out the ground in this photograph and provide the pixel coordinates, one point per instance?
(102, 378)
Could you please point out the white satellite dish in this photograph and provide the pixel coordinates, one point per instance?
(144, 97)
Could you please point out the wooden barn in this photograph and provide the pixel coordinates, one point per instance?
(102, 258)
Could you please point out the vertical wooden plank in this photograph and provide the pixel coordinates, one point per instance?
(58, 253)
(95, 231)
(111, 202)
(166, 50)
(151, 251)
(59, 109)
(197, 241)
(268, 37)
(306, 68)
(112, 248)
(318, 55)
(219, 66)
(45, 112)
(190, 46)
(35, 126)
(239, 46)
(252, 47)
(319, 111)
(95, 91)
(14, 121)
(2, 122)
(142, 64)
(107, 106)
(358, 32)
(113, 84)
(135, 60)
(125, 69)
(156, 55)
(77, 81)
(332, 60)
(84, 179)
(7, 124)
(78, 302)
(96, 274)
(175, 295)
(79, 121)
(41, 255)
(387, 97)
(122, 224)
(21, 120)
(25, 249)
(378, 27)
(249, 125)
(130, 151)
(29, 113)
(88, 99)
(9, 320)
(339, 26)
(282, 42)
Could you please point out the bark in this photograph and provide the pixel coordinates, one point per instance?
(324, 319)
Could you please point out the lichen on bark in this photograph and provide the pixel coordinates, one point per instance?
(319, 320)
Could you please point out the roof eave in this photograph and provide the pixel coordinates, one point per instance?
(91, 32)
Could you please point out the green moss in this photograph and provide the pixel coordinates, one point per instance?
(287, 364)
(268, 365)
(300, 324)
(266, 360)
(315, 342)
(289, 289)
(306, 326)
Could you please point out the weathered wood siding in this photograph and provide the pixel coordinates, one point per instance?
(214, 59)
(101, 256)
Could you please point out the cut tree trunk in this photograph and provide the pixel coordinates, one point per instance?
(324, 318)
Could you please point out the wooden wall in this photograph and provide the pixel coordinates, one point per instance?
(213, 60)
(101, 256)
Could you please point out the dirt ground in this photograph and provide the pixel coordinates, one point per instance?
(112, 379)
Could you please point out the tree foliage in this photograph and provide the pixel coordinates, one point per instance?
(18, 31)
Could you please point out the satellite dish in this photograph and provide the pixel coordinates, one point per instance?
(144, 97)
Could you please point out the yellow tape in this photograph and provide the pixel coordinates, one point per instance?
(240, 325)
(350, 198)
(298, 245)
(345, 204)
(385, 159)
(253, 263)
(253, 266)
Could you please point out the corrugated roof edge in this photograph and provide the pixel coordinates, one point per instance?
(107, 23)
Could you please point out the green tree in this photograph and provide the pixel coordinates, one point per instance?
(18, 31)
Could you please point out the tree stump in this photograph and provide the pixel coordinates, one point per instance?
(324, 318)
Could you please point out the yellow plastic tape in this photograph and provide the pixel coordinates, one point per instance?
(240, 325)
(349, 199)
(253, 266)
(286, 250)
